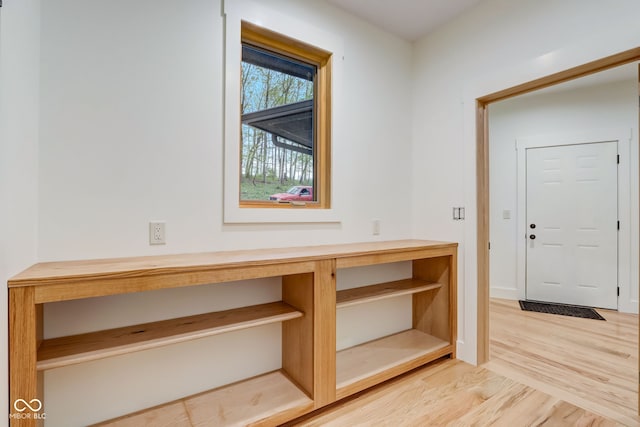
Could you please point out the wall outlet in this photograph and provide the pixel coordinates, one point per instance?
(156, 233)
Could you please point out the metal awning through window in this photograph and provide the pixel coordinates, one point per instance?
(292, 122)
(266, 59)
(290, 126)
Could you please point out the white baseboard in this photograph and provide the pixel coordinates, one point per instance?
(630, 306)
(466, 353)
(504, 293)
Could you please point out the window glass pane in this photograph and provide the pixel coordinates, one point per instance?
(277, 152)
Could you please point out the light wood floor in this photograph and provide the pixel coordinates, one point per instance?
(545, 371)
(454, 393)
(590, 363)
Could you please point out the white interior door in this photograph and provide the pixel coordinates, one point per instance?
(572, 232)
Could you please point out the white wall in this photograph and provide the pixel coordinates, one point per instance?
(611, 105)
(19, 74)
(498, 44)
(131, 131)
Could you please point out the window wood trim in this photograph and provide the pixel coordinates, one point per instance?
(322, 59)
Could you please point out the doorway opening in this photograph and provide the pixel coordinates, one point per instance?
(482, 133)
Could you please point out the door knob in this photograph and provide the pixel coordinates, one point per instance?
(532, 237)
(532, 226)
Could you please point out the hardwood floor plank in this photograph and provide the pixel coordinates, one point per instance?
(586, 362)
(546, 370)
(574, 399)
(451, 392)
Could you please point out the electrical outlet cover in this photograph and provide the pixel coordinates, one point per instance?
(157, 233)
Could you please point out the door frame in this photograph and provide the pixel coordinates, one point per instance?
(482, 174)
(623, 139)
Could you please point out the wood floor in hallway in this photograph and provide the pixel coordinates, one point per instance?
(546, 370)
(590, 363)
(454, 393)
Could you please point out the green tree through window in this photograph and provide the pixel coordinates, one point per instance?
(286, 121)
(277, 124)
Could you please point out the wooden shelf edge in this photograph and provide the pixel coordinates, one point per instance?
(118, 269)
(346, 390)
(267, 399)
(366, 294)
(389, 257)
(375, 361)
(74, 349)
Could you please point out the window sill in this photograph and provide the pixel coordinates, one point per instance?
(239, 215)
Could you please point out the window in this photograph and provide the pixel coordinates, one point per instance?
(285, 121)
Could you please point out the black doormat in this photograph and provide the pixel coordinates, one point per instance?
(562, 309)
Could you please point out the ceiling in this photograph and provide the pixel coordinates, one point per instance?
(413, 19)
(409, 19)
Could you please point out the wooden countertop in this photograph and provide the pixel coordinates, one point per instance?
(53, 273)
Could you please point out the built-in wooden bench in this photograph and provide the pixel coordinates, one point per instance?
(313, 374)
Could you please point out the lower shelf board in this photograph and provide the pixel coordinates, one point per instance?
(69, 350)
(367, 364)
(169, 415)
(268, 399)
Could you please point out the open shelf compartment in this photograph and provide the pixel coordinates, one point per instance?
(366, 364)
(268, 399)
(365, 294)
(69, 350)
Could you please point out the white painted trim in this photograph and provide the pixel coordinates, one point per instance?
(504, 293)
(625, 263)
(461, 347)
(235, 12)
(626, 241)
